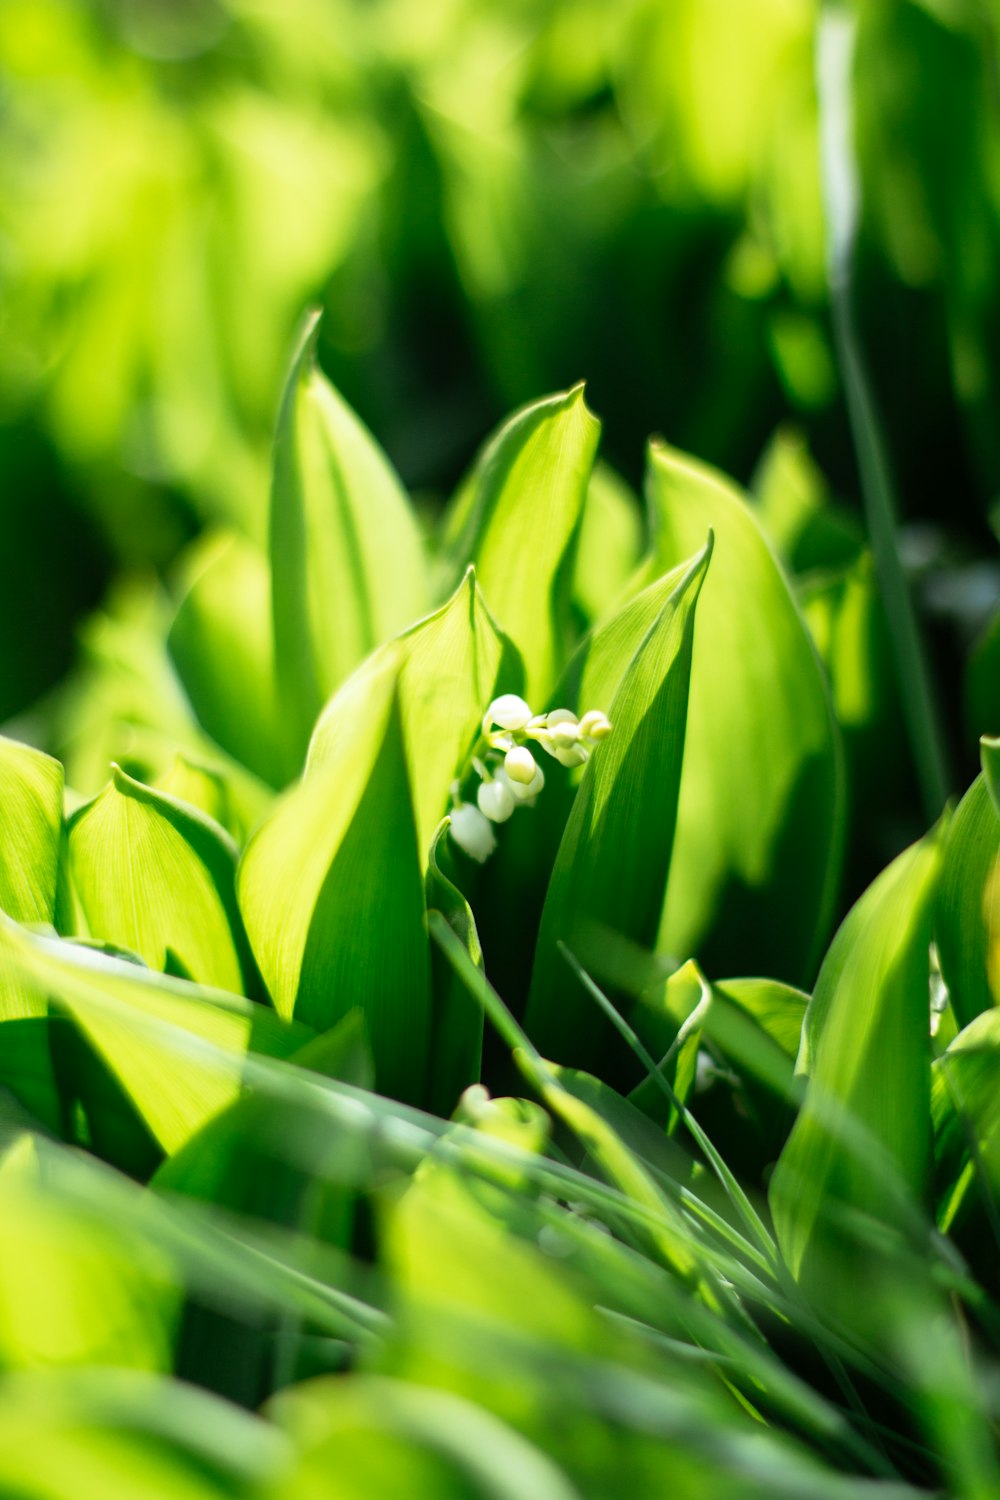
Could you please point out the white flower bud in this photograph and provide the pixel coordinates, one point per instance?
(496, 800)
(526, 795)
(509, 711)
(595, 725)
(564, 736)
(571, 755)
(520, 765)
(472, 831)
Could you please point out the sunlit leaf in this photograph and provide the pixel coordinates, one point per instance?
(176, 1049)
(861, 1141)
(104, 1431)
(74, 1289)
(346, 558)
(611, 869)
(757, 851)
(610, 545)
(517, 518)
(967, 915)
(448, 668)
(377, 1434)
(31, 820)
(158, 877)
(31, 791)
(332, 871)
(221, 644)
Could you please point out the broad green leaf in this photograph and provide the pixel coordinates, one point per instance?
(383, 1437)
(26, 1070)
(967, 914)
(31, 793)
(205, 787)
(331, 890)
(105, 1431)
(860, 1143)
(347, 561)
(517, 518)
(846, 616)
(795, 511)
(966, 1111)
(176, 1049)
(220, 642)
(457, 1038)
(74, 1289)
(612, 535)
(158, 877)
(611, 869)
(757, 850)
(31, 820)
(448, 668)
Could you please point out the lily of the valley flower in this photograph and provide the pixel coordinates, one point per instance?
(507, 724)
(496, 800)
(472, 831)
(519, 763)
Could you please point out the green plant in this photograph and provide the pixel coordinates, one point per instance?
(256, 1137)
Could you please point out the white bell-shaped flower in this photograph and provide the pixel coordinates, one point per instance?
(523, 795)
(472, 831)
(496, 800)
(520, 765)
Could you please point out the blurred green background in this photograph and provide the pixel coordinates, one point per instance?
(491, 199)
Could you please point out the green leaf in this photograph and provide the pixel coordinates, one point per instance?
(757, 850)
(448, 668)
(158, 877)
(795, 511)
(611, 869)
(989, 749)
(177, 1049)
(31, 793)
(967, 915)
(384, 1437)
(612, 536)
(346, 556)
(108, 1431)
(31, 824)
(75, 1289)
(966, 1110)
(204, 787)
(331, 889)
(860, 1143)
(220, 642)
(26, 1070)
(457, 1045)
(517, 518)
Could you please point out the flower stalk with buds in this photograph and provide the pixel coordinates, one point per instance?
(509, 774)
